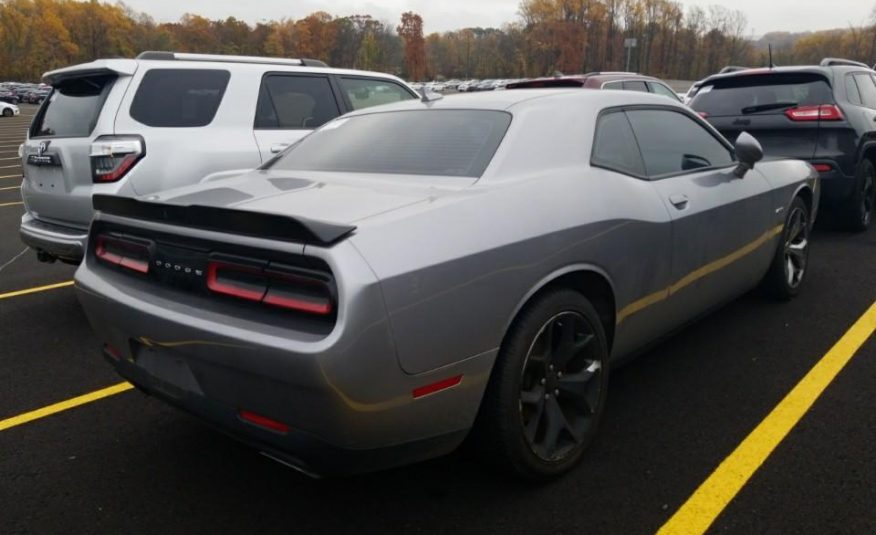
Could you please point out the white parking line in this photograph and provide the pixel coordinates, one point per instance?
(13, 158)
(9, 188)
(9, 166)
(10, 176)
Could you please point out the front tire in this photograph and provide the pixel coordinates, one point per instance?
(547, 392)
(7, 112)
(791, 261)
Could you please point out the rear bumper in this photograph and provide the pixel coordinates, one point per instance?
(836, 187)
(65, 243)
(347, 402)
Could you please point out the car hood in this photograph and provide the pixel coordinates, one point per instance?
(345, 198)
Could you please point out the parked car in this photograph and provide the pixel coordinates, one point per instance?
(8, 110)
(824, 114)
(692, 91)
(9, 96)
(138, 126)
(408, 276)
(626, 81)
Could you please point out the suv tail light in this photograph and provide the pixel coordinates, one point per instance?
(281, 286)
(826, 112)
(123, 252)
(113, 156)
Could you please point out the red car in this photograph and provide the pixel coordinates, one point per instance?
(628, 81)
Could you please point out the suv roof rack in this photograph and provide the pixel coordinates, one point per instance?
(184, 56)
(732, 68)
(613, 72)
(830, 62)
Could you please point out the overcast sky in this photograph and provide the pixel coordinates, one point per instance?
(441, 15)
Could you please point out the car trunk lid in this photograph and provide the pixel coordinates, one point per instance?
(56, 155)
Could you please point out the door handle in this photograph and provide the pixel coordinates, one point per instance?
(679, 200)
(277, 148)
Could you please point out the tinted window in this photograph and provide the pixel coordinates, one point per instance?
(613, 85)
(615, 146)
(177, 98)
(661, 89)
(367, 92)
(636, 86)
(867, 89)
(428, 142)
(73, 108)
(672, 142)
(295, 102)
(761, 93)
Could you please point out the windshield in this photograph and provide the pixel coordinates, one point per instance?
(761, 93)
(428, 142)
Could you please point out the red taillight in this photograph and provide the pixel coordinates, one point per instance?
(280, 288)
(443, 384)
(121, 252)
(703, 114)
(826, 112)
(263, 421)
(823, 167)
(113, 156)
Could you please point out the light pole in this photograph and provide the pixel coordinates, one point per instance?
(630, 43)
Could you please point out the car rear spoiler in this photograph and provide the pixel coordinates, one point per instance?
(228, 220)
(118, 67)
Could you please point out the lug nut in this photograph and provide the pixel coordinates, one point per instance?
(551, 367)
(559, 375)
(543, 380)
(557, 392)
(547, 396)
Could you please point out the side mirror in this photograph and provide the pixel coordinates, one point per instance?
(748, 152)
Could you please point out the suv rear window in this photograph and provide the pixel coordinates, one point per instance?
(761, 93)
(428, 142)
(178, 98)
(73, 108)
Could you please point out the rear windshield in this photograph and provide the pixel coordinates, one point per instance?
(428, 142)
(73, 108)
(761, 93)
(179, 98)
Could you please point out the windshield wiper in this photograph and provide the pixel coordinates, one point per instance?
(766, 107)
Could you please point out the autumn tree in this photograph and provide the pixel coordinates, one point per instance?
(411, 32)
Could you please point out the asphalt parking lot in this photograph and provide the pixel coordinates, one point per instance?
(128, 463)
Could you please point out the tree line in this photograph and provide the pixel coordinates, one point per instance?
(549, 36)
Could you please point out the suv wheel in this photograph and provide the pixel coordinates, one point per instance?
(546, 394)
(861, 205)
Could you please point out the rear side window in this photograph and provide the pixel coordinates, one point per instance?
(615, 145)
(672, 143)
(867, 88)
(295, 102)
(428, 142)
(852, 91)
(762, 93)
(179, 98)
(635, 85)
(73, 108)
(660, 89)
(367, 92)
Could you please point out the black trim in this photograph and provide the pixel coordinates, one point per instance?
(228, 220)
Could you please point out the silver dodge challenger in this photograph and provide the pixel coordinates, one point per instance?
(416, 275)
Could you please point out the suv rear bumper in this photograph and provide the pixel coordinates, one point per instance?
(64, 243)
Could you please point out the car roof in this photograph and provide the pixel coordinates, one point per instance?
(826, 70)
(129, 66)
(505, 100)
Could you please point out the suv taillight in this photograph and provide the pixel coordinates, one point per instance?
(280, 286)
(113, 156)
(826, 112)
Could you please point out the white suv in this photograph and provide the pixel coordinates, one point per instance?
(138, 126)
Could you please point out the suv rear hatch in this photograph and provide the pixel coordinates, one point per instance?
(57, 163)
(785, 111)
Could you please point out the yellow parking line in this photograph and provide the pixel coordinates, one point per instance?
(64, 405)
(707, 502)
(38, 289)
(10, 204)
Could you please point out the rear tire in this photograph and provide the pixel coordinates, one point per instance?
(547, 391)
(791, 261)
(859, 209)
